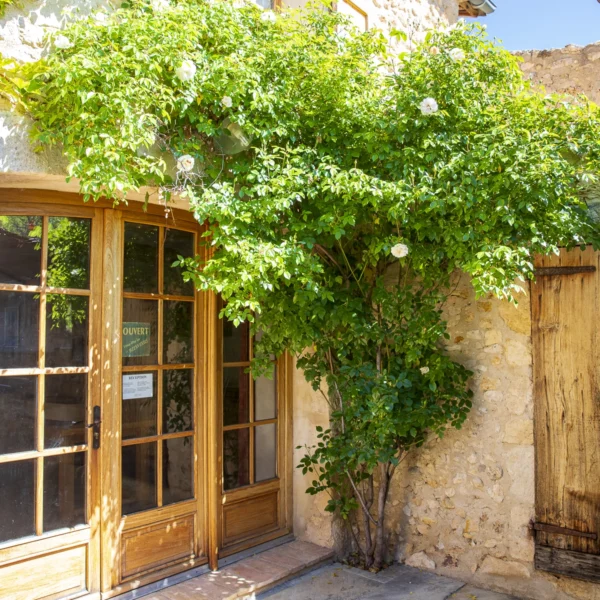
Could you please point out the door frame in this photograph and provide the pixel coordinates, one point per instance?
(105, 518)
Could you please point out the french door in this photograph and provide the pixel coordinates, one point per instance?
(50, 271)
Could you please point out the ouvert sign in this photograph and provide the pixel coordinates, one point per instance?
(136, 339)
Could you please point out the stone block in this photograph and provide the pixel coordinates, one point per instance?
(503, 568)
(518, 431)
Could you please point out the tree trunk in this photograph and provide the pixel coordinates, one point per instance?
(384, 485)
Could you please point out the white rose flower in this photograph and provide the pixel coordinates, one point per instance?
(400, 250)
(185, 163)
(159, 5)
(457, 54)
(101, 18)
(186, 70)
(424, 370)
(429, 106)
(268, 15)
(434, 50)
(62, 42)
(88, 151)
(227, 102)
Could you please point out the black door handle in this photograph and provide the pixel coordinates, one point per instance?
(95, 426)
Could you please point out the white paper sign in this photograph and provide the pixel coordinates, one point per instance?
(137, 386)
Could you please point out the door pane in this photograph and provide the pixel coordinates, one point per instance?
(18, 402)
(265, 398)
(177, 243)
(140, 272)
(20, 249)
(178, 327)
(139, 404)
(64, 491)
(265, 452)
(236, 458)
(236, 342)
(69, 252)
(66, 331)
(236, 396)
(178, 470)
(177, 400)
(17, 488)
(138, 477)
(19, 317)
(140, 326)
(65, 410)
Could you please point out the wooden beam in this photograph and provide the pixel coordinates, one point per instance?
(578, 565)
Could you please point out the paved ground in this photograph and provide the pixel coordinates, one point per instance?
(399, 582)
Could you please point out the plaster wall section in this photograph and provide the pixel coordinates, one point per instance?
(571, 70)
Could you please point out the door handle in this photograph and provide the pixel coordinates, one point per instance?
(95, 427)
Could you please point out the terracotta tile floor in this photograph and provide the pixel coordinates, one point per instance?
(249, 576)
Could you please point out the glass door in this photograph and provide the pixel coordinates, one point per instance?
(160, 482)
(49, 396)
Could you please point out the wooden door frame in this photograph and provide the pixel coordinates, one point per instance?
(45, 544)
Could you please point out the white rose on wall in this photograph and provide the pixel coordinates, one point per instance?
(268, 15)
(62, 42)
(226, 101)
(400, 250)
(185, 163)
(429, 106)
(424, 370)
(457, 54)
(186, 70)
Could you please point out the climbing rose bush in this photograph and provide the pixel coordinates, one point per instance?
(342, 183)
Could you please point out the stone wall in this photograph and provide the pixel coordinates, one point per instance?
(573, 69)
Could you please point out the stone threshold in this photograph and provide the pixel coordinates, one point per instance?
(251, 575)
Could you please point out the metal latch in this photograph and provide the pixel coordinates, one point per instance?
(95, 427)
(547, 528)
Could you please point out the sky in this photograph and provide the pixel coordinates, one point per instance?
(544, 24)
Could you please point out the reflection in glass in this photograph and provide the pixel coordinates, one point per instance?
(19, 317)
(265, 398)
(139, 404)
(177, 400)
(18, 401)
(140, 326)
(140, 270)
(265, 452)
(178, 470)
(177, 243)
(236, 396)
(138, 477)
(20, 249)
(178, 327)
(64, 410)
(17, 489)
(236, 342)
(66, 331)
(236, 461)
(69, 252)
(64, 491)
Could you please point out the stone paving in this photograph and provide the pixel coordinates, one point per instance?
(399, 582)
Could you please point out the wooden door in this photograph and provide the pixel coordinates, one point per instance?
(566, 322)
(50, 270)
(253, 446)
(155, 524)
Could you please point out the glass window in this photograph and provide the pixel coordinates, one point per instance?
(265, 452)
(140, 272)
(140, 332)
(18, 404)
(66, 331)
(139, 406)
(236, 342)
(265, 398)
(178, 388)
(138, 478)
(236, 396)
(17, 490)
(65, 410)
(177, 243)
(19, 318)
(69, 252)
(20, 249)
(178, 336)
(178, 474)
(236, 458)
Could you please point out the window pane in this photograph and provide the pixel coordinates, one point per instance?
(265, 398)
(236, 396)
(177, 243)
(140, 327)
(140, 272)
(236, 342)
(236, 458)
(66, 331)
(18, 401)
(178, 470)
(19, 317)
(64, 491)
(20, 250)
(17, 488)
(177, 400)
(178, 328)
(139, 478)
(265, 452)
(69, 252)
(64, 411)
(139, 404)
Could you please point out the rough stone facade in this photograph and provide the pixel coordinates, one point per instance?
(572, 69)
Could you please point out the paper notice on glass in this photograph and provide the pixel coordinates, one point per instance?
(137, 386)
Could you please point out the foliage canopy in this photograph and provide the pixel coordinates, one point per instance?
(342, 183)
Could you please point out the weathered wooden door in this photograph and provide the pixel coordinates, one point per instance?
(566, 327)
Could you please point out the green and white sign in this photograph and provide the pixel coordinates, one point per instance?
(136, 339)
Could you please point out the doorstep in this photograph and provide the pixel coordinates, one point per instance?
(251, 575)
